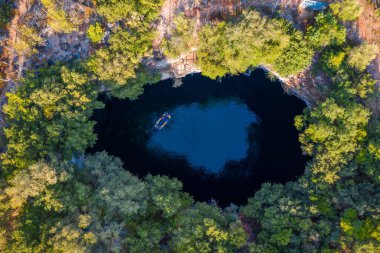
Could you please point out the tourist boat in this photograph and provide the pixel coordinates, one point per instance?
(162, 121)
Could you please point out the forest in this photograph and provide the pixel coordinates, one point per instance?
(56, 198)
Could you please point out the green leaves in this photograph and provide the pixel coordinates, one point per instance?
(134, 87)
(204, 228)
(182, 38)
(128, 10)
(360, 56)
(27, 40)
(233, 47)
(166, 195)
(326, 31)
(347, 10)
(118, 62)
(296, 56)
(30, 183)
(95, 33)
(332, 133)
(116, 193)
(212, 43)
(57, 17)
(49, 113)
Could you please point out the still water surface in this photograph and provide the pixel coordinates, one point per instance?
(223, 141)
(208, 136)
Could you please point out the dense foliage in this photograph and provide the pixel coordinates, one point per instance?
(252, 41)
(327, 30)
(55, 198)
(133, 12)
(181, 40)
(296, 57)
(98, 206)
(27, 41)
(119, 60)
(95, 33)
(118, 64)
(6, 12)
(347, 10)
(49, 114)
(57, 18)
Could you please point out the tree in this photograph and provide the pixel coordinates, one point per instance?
(233, 47)
(49, 113)
(281, 212)
(182, 38)
(134, 87)
(95, 33)
(204, 228)
(360, 56)
(166, 195)
(27, 40)
(117, 194)
(211, 57)
(349, 84)
(359, 229)
(347, 10)
(30, 183)
(332, 60)
(296, 57)
(142, 11)
(118, 62)
(368, 158)
(333, 134)
(57, 17)
(326, 31)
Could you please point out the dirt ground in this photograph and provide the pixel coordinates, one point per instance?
(369, 30)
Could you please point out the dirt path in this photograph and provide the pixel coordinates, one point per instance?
(369, 30)
(9, 53)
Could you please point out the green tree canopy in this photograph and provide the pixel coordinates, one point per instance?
(132, 11)
(57, 17)
(296, 57)
(233, 47)
(332, 133)
(182, 37)
(360, 56)
(49, 113)
(95, 33)
(326, 31)
(347, 10)
(119, 61)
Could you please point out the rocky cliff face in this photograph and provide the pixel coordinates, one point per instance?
(64, 47)
(303, 85)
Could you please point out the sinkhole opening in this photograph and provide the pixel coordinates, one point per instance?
(208, 135)
(222, 140)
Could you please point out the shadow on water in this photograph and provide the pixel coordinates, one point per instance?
(224, 139)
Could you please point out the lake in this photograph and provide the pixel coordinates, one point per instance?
(224, 139)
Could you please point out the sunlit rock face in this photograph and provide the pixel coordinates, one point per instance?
(208, 136)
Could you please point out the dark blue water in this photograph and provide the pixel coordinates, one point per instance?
(208, 136)
(223, 141)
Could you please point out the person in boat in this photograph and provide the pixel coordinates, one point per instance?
(162, 121)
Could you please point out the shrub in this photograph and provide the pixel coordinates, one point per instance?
(362, 55)
(95, 33)
(347, 10)
(326, 31)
